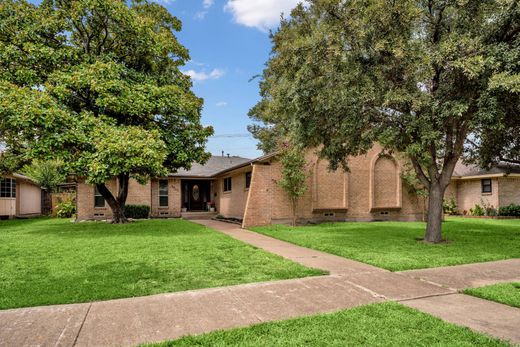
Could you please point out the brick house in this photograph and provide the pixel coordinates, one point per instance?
(497, 187)
(247, 190)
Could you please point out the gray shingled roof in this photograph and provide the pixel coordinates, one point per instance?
(463, 170)
(213, 166)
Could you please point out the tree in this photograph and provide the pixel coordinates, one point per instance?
(48, 174)
(294, 175)
(97, 84)
(421, 77)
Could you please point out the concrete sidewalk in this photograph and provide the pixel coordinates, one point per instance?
(132, 321)
(470, 275)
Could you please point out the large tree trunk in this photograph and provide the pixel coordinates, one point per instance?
(436, 183)
(117, 204)
(435, 213)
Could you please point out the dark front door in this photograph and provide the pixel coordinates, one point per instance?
(196, 195)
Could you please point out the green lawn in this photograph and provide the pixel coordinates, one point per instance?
(393, 245)
(505, 293)
(51, 261)
(387, 324)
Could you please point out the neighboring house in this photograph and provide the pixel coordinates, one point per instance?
(247, 190)
(19, 197)
(497, 187)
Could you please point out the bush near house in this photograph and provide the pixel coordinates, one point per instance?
(137, 211)
(450, 207)
(512, 210)
(66, 209)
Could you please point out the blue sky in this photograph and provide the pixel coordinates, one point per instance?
(229, 44)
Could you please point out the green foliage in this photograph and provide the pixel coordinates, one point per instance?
(294, 174)
(97, 85)
(66, 209)
(450, 206)
(294, 171)
(512, 210)
(423, 78)
(477, 211)
(137, 211)
(48, 174)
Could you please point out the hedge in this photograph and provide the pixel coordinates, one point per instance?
(137, 211)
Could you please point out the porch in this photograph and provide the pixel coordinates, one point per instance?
(197, 197)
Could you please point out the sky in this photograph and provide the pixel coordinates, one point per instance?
(229, 44)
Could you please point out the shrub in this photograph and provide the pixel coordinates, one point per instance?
(512, 210)
(477, 210)
(137, 211)
(489, 210)
(450, 207)
(66, 209)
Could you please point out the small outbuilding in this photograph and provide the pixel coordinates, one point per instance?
(19, 197)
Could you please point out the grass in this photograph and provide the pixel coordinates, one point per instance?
(387, 324)
(51, 261)
(505, 293)
(394, 245)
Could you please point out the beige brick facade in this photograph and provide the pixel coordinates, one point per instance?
(372, 190)
(468, 192)
(232, 203)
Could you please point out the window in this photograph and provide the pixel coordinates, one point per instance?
(227, 184)
(163, 193)
(487, 186)
(248, 180)
(7, 188)
(99, 200)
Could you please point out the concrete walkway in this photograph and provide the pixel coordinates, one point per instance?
(131, 321)
(471, 275)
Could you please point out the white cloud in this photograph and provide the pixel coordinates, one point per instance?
(200, 76)
(201, 15)
(221, 104)
(260, 14)
(208, 3)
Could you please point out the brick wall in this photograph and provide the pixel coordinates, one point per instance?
(509, 191)
(334, 196)
(385, 183)
(174, 199)
(138, 194)
(469, 193)
(85, 202)
(232, 204)
(258, 208)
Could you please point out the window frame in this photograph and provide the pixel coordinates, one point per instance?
(98, 195)
(164, 193)
(248, 175)
(8, 191)
(227, 185)
(484, 185)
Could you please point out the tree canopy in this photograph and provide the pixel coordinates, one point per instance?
(97, 84)
(432, 79)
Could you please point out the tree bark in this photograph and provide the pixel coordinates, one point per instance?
(294, 210)
(117, 204)
(436, 183)
(435, 213)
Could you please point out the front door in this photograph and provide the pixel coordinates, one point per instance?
(196, 195)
